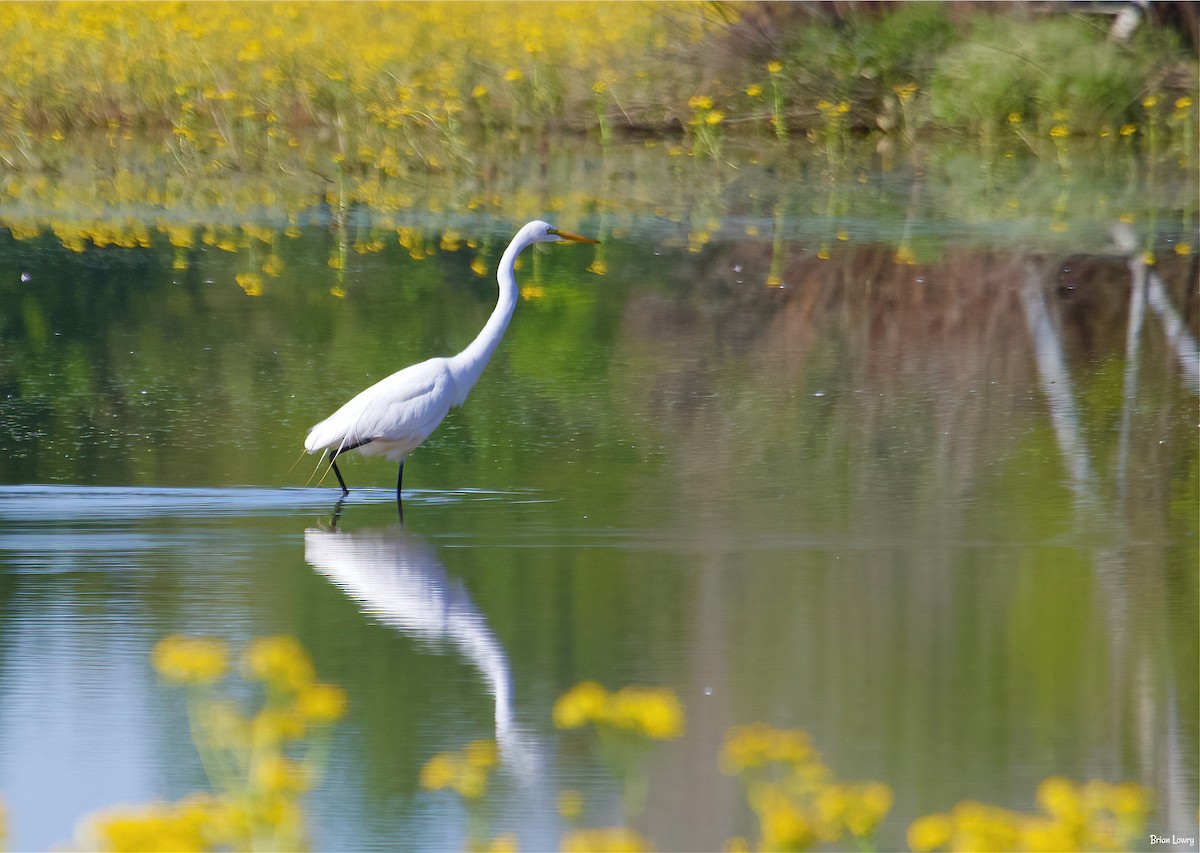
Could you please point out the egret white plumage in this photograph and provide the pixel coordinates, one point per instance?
(395, 415)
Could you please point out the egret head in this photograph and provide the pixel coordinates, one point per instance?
(543, 232)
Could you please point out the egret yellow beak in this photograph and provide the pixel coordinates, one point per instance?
(567, 235)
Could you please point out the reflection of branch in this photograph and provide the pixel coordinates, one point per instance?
(400, 581)
(1177, 334)
(1056, 385)
(1137, 311)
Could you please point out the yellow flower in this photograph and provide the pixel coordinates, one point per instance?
(1150, 102)
(579, 705)
(823, 252)
(1014, 118)
(276, 726)
(1183, 103)
(930, 832)
(1149, 259)
(775, 66)
(599, 87)
(843, 107)
(700, 102)
(604, 840)
(512, 75)
(1059, 131)
(479, 91)
(280, 661)
(754, 90)
(277, 774)
(1128, 129)
(653, 712)
(482, 754)
(321, 703)
(187, 660)
(715, 117)
(439, 772)
(1183, 248)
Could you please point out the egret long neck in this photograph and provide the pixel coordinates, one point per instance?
(469, 364)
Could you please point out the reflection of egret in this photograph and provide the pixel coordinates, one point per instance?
(399, 579)
(396, 414)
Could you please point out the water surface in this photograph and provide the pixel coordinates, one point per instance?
(937, 507)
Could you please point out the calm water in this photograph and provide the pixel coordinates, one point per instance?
(942, 515)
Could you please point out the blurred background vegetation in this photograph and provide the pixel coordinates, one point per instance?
(130, 124)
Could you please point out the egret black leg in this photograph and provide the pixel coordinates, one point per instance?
(333, 464)
(399, 501)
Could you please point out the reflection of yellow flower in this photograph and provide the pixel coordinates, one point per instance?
(1059, 131)
(905, 92)
(1183, 248)
(250, 282)
(1128, 129)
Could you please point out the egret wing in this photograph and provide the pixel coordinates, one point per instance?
(397, 413)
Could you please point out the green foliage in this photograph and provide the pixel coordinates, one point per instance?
(1048, 70)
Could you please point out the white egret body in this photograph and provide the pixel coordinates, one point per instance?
(395, 415)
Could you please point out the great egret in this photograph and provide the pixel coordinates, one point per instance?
(396, 414)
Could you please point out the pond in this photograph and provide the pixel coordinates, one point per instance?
(844, 455)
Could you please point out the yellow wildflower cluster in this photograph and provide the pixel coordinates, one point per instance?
(256, 775)
(1091, 816)
(798, 802)
(190, 660)
(617, 839)
(196, 823)
(465, 771)
(222, 74)
(652, 712)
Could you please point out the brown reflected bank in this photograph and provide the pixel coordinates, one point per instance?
(944, 511)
